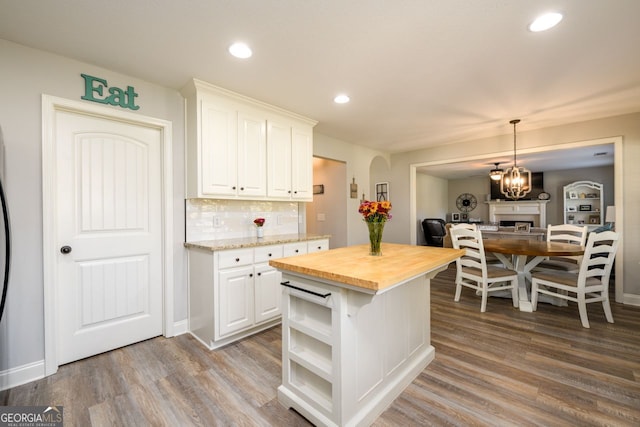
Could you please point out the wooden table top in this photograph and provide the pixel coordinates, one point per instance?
(354, 266)
(531, 247)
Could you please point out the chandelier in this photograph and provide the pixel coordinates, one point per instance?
(516, 181)
(496, 173)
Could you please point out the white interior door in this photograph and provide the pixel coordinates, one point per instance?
(108, 226)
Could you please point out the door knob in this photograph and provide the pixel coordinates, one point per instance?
(65, 249)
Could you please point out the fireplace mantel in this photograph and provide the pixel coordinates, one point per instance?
(523, 210)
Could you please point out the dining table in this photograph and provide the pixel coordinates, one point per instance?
(524, 255)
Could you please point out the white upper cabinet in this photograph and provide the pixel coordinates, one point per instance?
(241, 148)
(279, 160)
(252, 155)
(214, 165)
(301, 171)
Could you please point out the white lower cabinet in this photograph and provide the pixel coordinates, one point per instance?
(236, 293)
(268, 294)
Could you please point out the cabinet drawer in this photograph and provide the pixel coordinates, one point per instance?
(235, 258)
(266, 253)
(293, 249)
(317, 245)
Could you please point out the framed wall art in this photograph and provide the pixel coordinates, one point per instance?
(382, 192)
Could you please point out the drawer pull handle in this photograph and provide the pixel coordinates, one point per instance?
(289, 285)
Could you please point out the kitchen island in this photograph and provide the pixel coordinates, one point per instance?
(355, 328)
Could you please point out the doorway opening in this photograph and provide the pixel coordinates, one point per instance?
(327, 213)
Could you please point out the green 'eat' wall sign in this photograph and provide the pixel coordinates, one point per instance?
(94, 91)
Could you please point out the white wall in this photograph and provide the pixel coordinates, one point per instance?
(26, 74)
(358, 160)
(627, 126)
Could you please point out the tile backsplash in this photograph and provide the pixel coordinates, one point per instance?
(213, 219)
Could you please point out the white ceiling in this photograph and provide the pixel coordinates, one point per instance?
(419, 72)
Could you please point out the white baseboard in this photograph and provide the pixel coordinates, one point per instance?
(21, 375)
(181, 327)
(631, 299)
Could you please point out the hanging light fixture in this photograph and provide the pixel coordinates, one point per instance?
(516, 181)
(496, 173)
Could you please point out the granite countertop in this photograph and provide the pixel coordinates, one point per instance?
(252, 242)
(352, 265)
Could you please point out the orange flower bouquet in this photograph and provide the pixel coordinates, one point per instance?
(375, 214)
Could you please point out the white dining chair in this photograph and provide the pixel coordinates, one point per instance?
(589, 284)
(472, 270)
(564, 233)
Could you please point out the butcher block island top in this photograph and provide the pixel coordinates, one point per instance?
(354, 266)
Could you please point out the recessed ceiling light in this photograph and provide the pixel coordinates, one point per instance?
(545, 22)
(240, 50)
(341, 99)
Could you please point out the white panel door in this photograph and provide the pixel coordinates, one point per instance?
(218, 150)
(108, 227)
(235, 302)
(268, 292)
(252, 155)
(302, 164)
(279, 160)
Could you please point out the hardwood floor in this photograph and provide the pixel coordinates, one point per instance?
(502, 367)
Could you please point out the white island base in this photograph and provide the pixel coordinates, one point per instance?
(348, 355)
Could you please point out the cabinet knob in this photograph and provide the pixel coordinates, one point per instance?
(319, 247)
(259, 274)
(241, 188)
(297, 250)
(65, 249)
(295, 192)
(233, 188)
(269, 255)
(289, 191)
(250, 274)
(237, 259)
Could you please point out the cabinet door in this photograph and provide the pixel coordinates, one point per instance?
(268, 292)
(302, 164)
(235, 299)
(279, 160)
(218, 150)
(252, 155)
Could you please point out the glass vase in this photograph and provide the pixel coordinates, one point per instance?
(260, 232)
(375, 237)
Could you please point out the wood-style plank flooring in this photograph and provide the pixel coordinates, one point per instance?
(502, 367)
